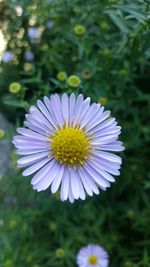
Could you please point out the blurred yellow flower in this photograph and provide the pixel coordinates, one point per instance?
(57, 195)
(29, 258)
(86, 73)
(1, 223)
(73, 81)
(13, 224)
(45, 47)
(27, 66)
(130, 214)
(123, 73)
(104, 25)
(106, 52)
(8, 263)
(53, 227)
(128, 264)
(2, 133)
(14, 87)
(60, 252)
(79, 29)
(103, 101)
(62, 76)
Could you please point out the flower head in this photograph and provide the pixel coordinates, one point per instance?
(60, 253)
(86, 73)
(92, 256)
(102, 101)
(27, 66)
(73, 81)
(62, 76)
(106, 52)
(29, 56)
(66, 142)
(104, 25)
(14, 87)
(34, 33)
(7, 56)
(2, 133)
(49, 24)
(79, 29)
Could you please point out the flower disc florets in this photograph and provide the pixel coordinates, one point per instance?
(70, 146)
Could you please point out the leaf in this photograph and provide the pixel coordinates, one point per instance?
(138, 14)
(7, 100)
(117, 21)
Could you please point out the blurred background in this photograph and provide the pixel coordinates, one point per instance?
(107, 45)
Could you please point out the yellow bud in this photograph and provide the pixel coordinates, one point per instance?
(8, 263)
(86, 73)
(102, 101)
(60, 253)
(14, 87)
(79, 30)
(128, 264)
(53, 227)
(29, 258)
(12, 224)
(130, 214)
(104, 25)
(106, 52)
(73, 81)
(2, 133)
(62, 76)
(27, 66)
(123, 73)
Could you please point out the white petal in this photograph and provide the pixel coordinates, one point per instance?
(34, 128)
(89, 181)
(92, 111)
(44, 183)
(84, 108)
(71, 107)
(65, 185)
(77, 110)
(28, 160)
(39, 116)
(42, 172)
(74, 184)
(98, 119)
(109, 156)
(35, 167)
(84, 179)
(57, 109)
(104, 140)
(31, 134)
(46, 113)
(65, 108)
(29, 151)
(38, 123)
(96, 176)
(56, 182)
(108, 123)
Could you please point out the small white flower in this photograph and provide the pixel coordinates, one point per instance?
(92, 256)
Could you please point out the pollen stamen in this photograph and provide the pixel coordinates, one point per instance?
(70, 146)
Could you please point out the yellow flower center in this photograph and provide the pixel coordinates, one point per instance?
(70, 146)
(93, 260)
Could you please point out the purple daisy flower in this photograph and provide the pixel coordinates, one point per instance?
(34, 33)
(7, 56)
(92, 255)
(66, 142)
(49, 24)
(29, 56)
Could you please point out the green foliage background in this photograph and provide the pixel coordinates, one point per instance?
(115, 53)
